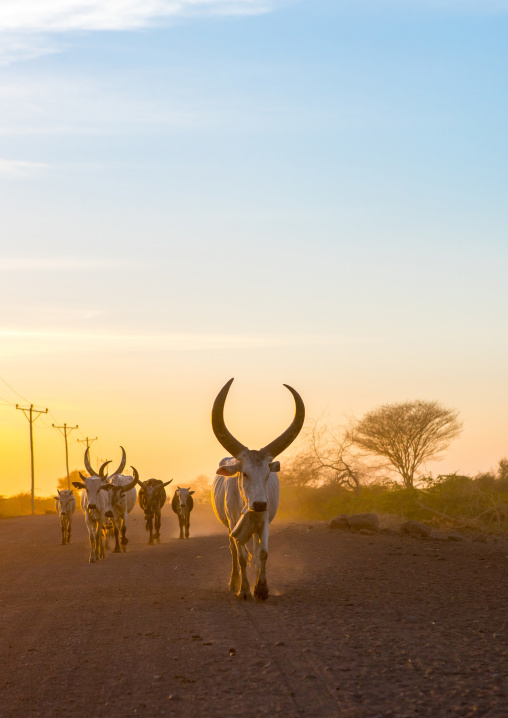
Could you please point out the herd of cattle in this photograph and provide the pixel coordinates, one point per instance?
(245, 497)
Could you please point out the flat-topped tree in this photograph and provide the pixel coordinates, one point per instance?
(407, 434)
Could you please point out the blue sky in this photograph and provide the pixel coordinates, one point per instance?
(313, 189)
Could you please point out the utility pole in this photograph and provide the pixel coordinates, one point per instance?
(65, 431)
(29, 413)
(87, 441)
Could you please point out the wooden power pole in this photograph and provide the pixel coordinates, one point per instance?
(29, 413)
(87, 441)
(65, 431)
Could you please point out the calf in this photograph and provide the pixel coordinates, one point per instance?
(152, 497)
(65, 504)
(182, 504)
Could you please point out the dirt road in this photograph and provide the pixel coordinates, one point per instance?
(355, 625)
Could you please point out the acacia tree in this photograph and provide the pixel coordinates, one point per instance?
(407, 434)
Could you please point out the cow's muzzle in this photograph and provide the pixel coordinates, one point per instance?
(259, 506)
(109, 514)
(92, 507)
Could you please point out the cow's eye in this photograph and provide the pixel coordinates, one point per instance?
(245, 477)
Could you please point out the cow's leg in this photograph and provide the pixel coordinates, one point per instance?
(69, 526)
(124, 541)
(62, 526)
(96, 542)
(91, 538)
(187, 525)
(243, 556)
(180, 521)
(234, 582)
(261, 588)
(116, 531)
(100, 541)
(158, 527)
(149, 526)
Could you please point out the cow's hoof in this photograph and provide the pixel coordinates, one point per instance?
(116, 549)
(158, 540)
(91, 560)
(150, 543)
(261, 592)
(244, 596)
(63, 543)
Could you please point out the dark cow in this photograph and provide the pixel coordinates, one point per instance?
(182, 505)
(152, 497)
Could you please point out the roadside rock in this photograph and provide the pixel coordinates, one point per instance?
(339, 522)
(416, 529)
(455, 536)
(363, 521)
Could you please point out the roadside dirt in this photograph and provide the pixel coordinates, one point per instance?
(355, 625)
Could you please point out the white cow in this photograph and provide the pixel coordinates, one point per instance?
(122, 499)
(65, 505)
(245, 494)
(94, 503)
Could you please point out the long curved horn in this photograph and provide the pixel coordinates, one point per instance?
(137, 480)
(102, 470)
(220, 430)
(122, 463)
(166, 483)
(83, 478)
(88, 465)
(284, 440)
(133, 483)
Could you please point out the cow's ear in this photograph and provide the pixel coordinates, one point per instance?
(229, 470)
(56, 497)
(191, 492)
(274, 466)
(78, 485)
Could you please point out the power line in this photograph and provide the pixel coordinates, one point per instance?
(65, 431)
(29, 413)
(14, 390)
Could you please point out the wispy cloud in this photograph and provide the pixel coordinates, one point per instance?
(64, 264)
(70, 15)
(29, 28)
(17, 169)
(45, 341)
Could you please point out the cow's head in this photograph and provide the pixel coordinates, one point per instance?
(153, 490)
(116, 493)
(93, 486)
(254, 466)
(184, 501)
(65, 497)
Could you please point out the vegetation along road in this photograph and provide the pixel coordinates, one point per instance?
(355, 625)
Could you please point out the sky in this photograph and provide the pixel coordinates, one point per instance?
(308, 192)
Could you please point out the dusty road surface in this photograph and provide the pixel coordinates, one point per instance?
(355, 626)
